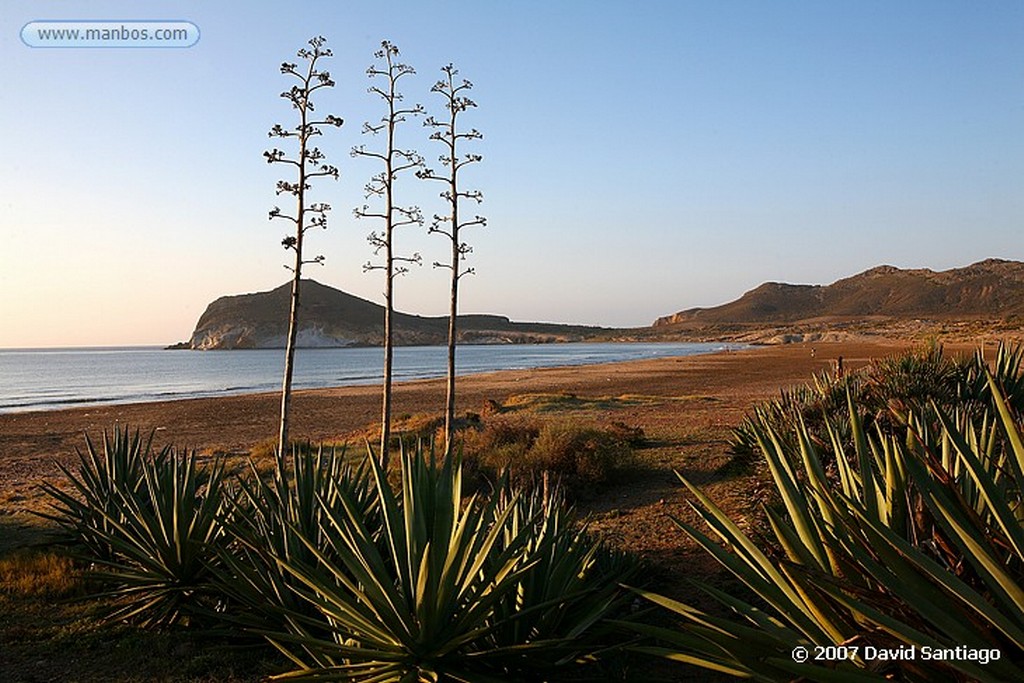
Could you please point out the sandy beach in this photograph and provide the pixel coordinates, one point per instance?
(698, 392)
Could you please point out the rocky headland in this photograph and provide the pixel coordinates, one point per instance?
(332, 318)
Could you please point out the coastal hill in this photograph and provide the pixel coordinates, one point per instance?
(914, 303)
(991, 290)
(329, 317)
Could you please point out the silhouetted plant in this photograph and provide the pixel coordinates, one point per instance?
(451, 224)
(166, 546)
(309, 164)
(276, 520)
(382, 187)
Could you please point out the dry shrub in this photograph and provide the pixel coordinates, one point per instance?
(496, 446)
(577, 456)
(491, 407)
(421, 426)
(633, 436)
(410, 429)
(500, 433)
(264, 450)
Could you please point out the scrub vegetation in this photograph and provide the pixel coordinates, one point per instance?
(903, 535)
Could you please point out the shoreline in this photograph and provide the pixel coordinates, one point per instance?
(713, 387)
(374, 384)
(267, 380)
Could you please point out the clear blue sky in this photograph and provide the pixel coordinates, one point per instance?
(640, 157)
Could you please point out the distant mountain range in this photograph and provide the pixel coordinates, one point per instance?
(329, 317)
(990, 289)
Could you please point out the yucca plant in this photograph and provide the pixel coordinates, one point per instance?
(820, 404)
(163, 538)
(273, 522)
(436, 592)
(1006, 370)
(888, 391)
(566, 599)
(919, 545)
(98, 485)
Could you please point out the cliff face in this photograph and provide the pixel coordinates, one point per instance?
(329, 317)
(989, 289)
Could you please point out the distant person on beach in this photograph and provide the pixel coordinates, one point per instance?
(839, 368)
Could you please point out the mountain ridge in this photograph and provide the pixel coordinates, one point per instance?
(993, 288)
(883, 298)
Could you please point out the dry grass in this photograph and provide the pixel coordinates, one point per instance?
(562, 402)
(39, 574)
(262, 453)
(50, 631)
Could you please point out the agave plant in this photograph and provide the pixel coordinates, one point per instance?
(153, 525)
(166, 543)
(90, 510)
(820, 405)
(564, 602)
(920, 545)
(888, 392)
(1006, 371)
(443, 589)
(272, 523)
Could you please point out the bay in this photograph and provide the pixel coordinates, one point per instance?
(50, 379)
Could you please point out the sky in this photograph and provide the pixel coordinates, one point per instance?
(640, 157)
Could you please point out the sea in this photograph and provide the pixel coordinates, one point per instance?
(55, 378)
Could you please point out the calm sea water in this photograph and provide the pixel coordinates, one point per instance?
(47, 379)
